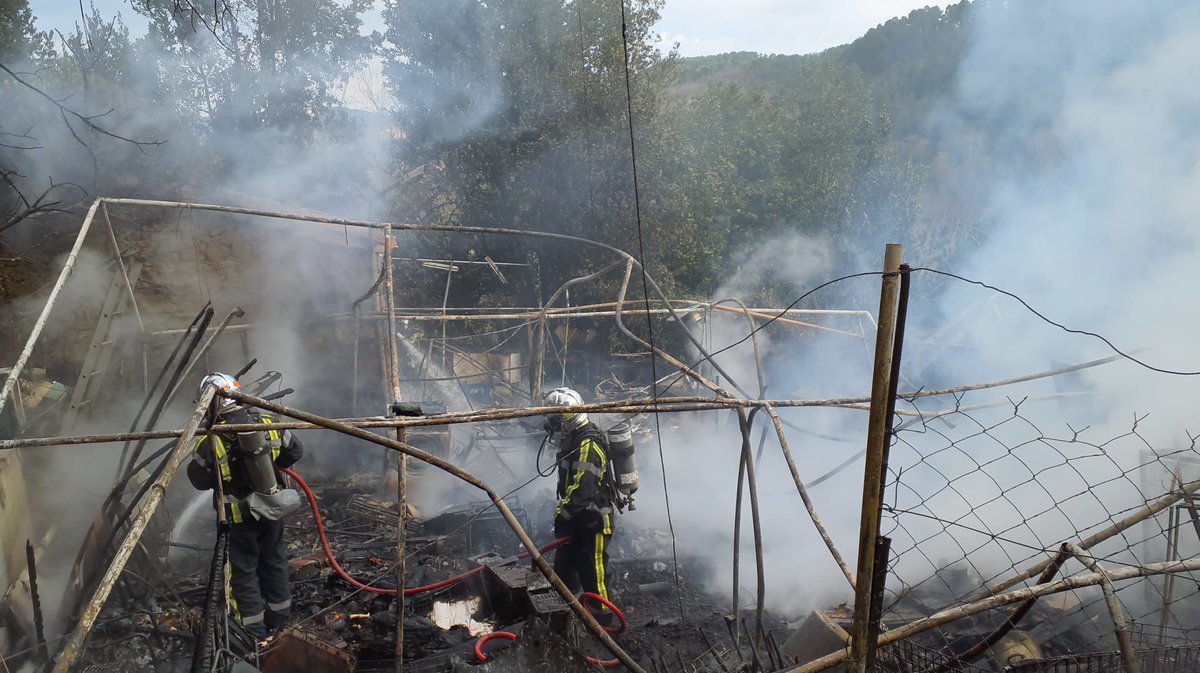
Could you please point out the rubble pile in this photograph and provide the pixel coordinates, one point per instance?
(496, 590)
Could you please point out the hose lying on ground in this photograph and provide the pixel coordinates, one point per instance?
(408, 591)
(604, 663)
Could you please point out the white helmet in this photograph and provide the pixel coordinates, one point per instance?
(564, 397)
(222, 381)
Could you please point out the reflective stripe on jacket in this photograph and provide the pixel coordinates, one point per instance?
(583, 486)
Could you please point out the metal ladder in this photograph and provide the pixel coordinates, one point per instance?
(99, 354)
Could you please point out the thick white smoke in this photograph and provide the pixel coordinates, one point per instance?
(1079, 117)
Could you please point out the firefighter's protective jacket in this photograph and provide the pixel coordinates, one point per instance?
(223, 455)
(584, 486)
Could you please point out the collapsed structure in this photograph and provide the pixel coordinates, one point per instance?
(417, 549)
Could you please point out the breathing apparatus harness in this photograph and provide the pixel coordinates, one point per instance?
(621, 476)
(268, 500)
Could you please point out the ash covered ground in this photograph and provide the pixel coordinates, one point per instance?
(688, 630)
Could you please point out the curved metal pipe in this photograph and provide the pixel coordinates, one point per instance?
(162, 373)
(237, 312)
(443, 228)
(535, 376)
(746, 467)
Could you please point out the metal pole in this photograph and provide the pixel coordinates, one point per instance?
(38, 326)
(1173, 516)
(1096, 538)
(401, 437)
(112, 239)
(861, 650)
(1115, 611)
(148, 505)
(445, 303)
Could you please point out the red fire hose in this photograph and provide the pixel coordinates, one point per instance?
(603, 663)
(408, 591)
(494, 635)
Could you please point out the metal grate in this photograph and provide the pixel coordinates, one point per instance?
(1158, 660)
(547, 601)
(371, 509)
(716, 659)
(906, 656)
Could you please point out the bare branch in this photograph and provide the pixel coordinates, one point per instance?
(67, 112)
(40, 205)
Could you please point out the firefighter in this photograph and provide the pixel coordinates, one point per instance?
(254, 507)
(585, 500)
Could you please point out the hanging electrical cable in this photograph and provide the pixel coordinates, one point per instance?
(637, 210)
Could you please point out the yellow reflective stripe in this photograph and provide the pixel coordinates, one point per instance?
(221, 456)
(578, 477)
(273, 435)
(601, 588)
(229, 599)
(235, 512)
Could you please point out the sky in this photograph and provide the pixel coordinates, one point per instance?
(701, 27)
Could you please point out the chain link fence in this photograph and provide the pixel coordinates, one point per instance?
(980, 493)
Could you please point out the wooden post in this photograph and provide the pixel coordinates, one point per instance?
(145, 509)
(401, 436)
(877, 436)
(1173, 516)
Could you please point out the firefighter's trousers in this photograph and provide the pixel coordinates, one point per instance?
(582, 564)
(262, 600)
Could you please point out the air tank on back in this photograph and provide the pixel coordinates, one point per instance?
(621, 453)
(255, 453)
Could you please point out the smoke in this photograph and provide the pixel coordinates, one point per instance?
(1092, 196)
(1076, 113)
(1080, 114)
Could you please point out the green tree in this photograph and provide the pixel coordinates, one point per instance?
(737, 166)
(518, 112)
(257, 63)
(19, 38)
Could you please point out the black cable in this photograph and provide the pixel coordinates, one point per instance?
(1062, 327)
(637, 209)
(175, 376)
(654, 389)
(214, 605)
(146, 461)
(538, 461)
(789, 307)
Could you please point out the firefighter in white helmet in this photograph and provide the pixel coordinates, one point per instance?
(585, 506)
(262, 599)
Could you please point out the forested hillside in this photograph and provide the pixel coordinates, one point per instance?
(512, 115)
(837, 144)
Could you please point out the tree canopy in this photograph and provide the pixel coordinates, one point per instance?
(525, 114)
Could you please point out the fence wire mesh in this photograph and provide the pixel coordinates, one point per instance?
(977, 493)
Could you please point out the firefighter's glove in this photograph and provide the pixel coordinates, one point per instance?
(590, 522)
(562, 528)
